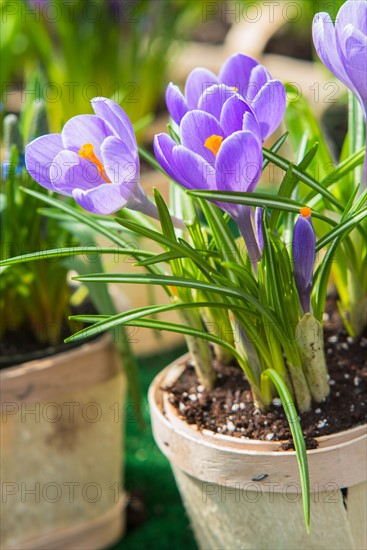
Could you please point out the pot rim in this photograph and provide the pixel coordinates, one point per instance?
(42, 379)
(339, 460)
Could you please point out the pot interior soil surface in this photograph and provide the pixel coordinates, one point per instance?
(229, 409)
(22, 345)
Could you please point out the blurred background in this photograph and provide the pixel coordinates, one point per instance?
(58, 54)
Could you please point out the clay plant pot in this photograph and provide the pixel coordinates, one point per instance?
(62, 450)
(246, 494)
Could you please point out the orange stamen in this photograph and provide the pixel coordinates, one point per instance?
(213, 143)
(305, 212)
(87, 152)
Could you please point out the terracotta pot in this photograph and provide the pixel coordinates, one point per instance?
(61, 450)
(246, 494)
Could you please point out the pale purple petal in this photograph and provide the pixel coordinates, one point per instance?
(236, 72)
(163, 146)
(352, 47)
(239, 162)
(231, 118)
(269, 107)
(112, 113)
(324, 38)
(196, 128)
(250, 124)
(166, 154)
(258, 78)
(353, 13)
(176, 103)
(39, 155)
(83, 129)
(69, 170)
(198, 174)
(213, 99)
(119, 161)
(198, 80)
(104, 199)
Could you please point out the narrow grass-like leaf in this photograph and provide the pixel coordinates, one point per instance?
(103, 322)
(72, 251)
(161, 280)
(160, 258)
(302, 176)
(299, 441)
(87, 219)
(258, 199)
(275, 148)
(343, 227)
(134, 319)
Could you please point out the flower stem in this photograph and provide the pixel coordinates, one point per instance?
(245, 226)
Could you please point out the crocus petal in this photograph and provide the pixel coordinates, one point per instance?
(198, 80)
(269, 107)
(119, 161)
(112, 113)
(352, 13)
(196, 127)
(69, 171)
(238, 164)
(83, 129)
(258, 78)
(39, 155)
(352, 47)
(176, 103)
(231, 118)
(303, 254)
(236, 72)
(213, 99)
(198, 174)
(324, 38)
(251, 125)
(105, 199)
(163, 146)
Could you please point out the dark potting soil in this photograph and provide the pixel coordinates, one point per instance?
(21, 345)
(229, 409)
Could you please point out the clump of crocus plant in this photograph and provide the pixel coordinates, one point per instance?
(257, 282)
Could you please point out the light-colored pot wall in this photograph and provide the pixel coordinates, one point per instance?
(62, 450)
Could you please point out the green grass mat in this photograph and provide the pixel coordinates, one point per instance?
(148, 474)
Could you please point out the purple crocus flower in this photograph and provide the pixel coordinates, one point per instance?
(343, 48)
(217, 155)
(303, 253)
(241, 75)
(94, 159)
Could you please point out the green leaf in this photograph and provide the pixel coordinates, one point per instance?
(343, 228)
(275, 148)
(103, 322)
(72, 251)
(87, 219)
(160, 258)
(299, 442)
(302, 176)
(263, 200)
